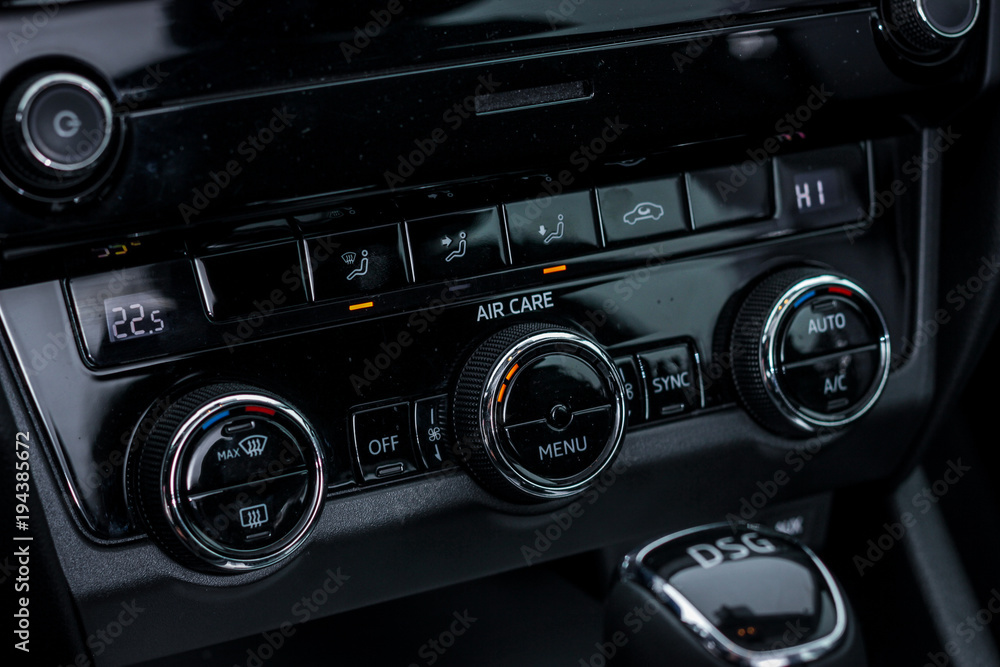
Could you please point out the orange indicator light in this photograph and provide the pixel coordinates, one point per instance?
(362, 306)
(512, 371)
(554, 269)
(503, 388)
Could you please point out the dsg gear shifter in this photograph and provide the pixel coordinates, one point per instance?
(724, 594)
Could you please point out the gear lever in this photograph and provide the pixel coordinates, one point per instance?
(735, 595)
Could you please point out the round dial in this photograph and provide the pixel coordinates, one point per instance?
(810, 351)
(928, 26)
(228, 478)
(58, 134)
(541, 412)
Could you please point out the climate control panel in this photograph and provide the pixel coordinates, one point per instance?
(232, 478)
(275, 396)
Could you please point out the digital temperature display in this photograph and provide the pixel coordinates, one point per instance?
(136, 315)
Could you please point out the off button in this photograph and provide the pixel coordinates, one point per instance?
(65, 121)
(384, 442)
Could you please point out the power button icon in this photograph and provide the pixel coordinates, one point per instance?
(67, 124)
(65, 121)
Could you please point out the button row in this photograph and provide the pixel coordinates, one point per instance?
(662, 383)
(553, 228)
(263, 268)
(468, 243)
(393, 440)
(396, 440)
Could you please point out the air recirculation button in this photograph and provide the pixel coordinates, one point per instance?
(228, 478)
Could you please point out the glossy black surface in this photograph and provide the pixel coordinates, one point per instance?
(406, 344)
(750, 586)
(313, 42)
(240, 449)
(557, 416)
(65, 123)
(250, 519)
(258, 280)
(263, 113)
(548, 381)
(950, 16)
(239, 275)
(177, 154)
(731, 194)
(833, 383)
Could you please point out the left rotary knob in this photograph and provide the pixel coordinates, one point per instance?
(59, 135)
(229, 478)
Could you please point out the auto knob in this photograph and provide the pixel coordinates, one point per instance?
(539, 412)
(229, 478)
(929, 26)
(810, 351)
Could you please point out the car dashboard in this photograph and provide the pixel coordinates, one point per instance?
(336, 328)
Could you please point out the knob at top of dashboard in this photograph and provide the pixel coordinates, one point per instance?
(810, 350)
(228, 478)
(59, 135)
(540, 411)
(928, 26)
